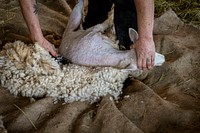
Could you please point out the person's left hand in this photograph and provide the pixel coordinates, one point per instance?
(47, 45)
(145, 50)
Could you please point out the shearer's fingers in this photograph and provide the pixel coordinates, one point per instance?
(144, 64)
(139, 63)
(153, 60)
(48, 46)
(149, 63)
(53, 52)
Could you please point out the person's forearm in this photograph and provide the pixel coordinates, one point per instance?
(30, 12)
(145, 15)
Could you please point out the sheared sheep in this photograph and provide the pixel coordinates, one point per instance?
(91, 48)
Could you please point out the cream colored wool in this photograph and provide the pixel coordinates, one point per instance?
(31, 72)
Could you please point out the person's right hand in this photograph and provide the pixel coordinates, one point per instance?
(145, 50)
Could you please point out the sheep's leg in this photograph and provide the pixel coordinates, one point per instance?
(120, 59)
(75, 17)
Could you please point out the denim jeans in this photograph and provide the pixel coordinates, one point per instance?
(125, 16)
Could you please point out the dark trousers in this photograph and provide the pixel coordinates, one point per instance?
(125, 16)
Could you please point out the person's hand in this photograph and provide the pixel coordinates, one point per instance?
(47, 45)
(145, 50)
(30, 13)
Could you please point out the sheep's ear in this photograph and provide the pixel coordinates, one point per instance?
(133, 35)
(75, 17)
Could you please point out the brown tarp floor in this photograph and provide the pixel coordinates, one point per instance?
(165, 99)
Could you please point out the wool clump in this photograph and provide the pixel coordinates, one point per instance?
(30, 71)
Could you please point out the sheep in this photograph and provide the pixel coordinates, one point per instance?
(91, 48)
